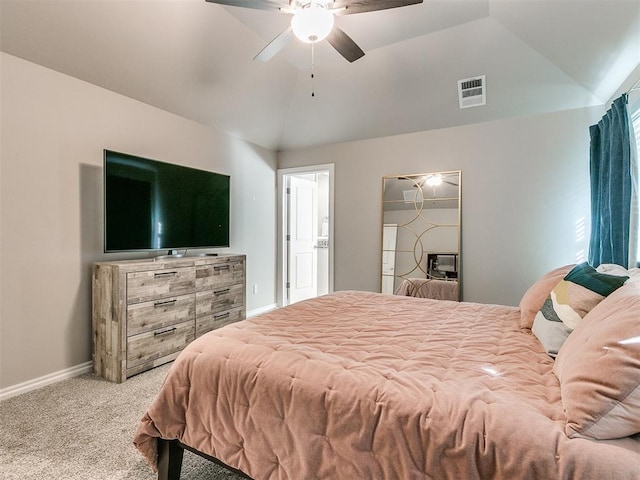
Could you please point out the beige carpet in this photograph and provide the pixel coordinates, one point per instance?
(82, 429)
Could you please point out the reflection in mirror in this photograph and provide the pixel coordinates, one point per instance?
(421, 235)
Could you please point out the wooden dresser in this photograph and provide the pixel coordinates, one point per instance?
(146, 311)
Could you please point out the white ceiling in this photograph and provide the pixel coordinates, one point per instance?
(194, 59)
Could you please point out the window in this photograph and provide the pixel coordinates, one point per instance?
(634, 234)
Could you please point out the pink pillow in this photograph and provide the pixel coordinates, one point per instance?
(598, 368)
(534, 298)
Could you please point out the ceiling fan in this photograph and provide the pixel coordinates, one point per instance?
(430, 180)
(313, 21)
(435, 180)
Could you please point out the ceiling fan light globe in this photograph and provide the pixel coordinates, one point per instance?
(312, 24)
(433, 180)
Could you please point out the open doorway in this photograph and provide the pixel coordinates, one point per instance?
(305, 233)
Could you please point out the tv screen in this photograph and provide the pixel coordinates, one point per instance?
(153, 205)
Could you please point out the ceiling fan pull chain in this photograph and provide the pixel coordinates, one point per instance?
(313, 90)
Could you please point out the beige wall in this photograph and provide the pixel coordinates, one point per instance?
(525, 197)
(53, 131)
(524, 193)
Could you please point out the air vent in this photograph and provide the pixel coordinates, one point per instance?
(413, 196)
(472, 92)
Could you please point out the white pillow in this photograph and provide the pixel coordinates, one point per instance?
(613, 269)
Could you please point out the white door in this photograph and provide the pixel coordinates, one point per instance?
(389, 236)
(302, 236)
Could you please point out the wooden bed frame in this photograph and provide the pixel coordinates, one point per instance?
(170, 454)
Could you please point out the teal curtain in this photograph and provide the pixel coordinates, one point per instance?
(610, 186)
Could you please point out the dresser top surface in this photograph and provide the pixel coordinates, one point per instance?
(159, 263)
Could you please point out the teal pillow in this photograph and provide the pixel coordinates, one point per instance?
(587, 276)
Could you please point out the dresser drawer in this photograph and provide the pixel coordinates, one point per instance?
(147, 347)
(207, 323)
(146, 316)
(219, 300)
(220, 274)
(153, 284)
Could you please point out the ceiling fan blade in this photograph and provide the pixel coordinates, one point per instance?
(347, 7)
(255, 4)
(344, 45)
(274, 46)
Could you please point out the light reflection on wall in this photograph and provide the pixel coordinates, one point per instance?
(581, 235)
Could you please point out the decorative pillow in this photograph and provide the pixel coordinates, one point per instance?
(599, 369)
(570, 300)
(534, 298)
(613, 269)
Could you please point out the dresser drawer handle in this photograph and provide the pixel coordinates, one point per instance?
(221, 316)
(221, 267)
(220, 292)
(165, 303)
(164, 274)
(165, 332)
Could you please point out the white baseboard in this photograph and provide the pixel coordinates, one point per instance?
(40, 382)
(258, 311)
(81, 369)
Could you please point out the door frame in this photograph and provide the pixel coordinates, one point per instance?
(282, 257)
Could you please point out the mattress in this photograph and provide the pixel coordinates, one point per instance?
(358, 385)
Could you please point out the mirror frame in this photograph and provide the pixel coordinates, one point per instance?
(421, 251)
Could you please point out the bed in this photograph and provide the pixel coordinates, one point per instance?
(357, 385)
(435, 289)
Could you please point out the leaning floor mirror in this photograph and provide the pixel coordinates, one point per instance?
(421, 235)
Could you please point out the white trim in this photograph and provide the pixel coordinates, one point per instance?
(281, 224)
(258, 311)
(40, 382)
(81, 369)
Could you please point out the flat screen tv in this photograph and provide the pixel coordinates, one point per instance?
(152, 205)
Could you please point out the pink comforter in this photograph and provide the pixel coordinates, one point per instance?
(366, 386)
